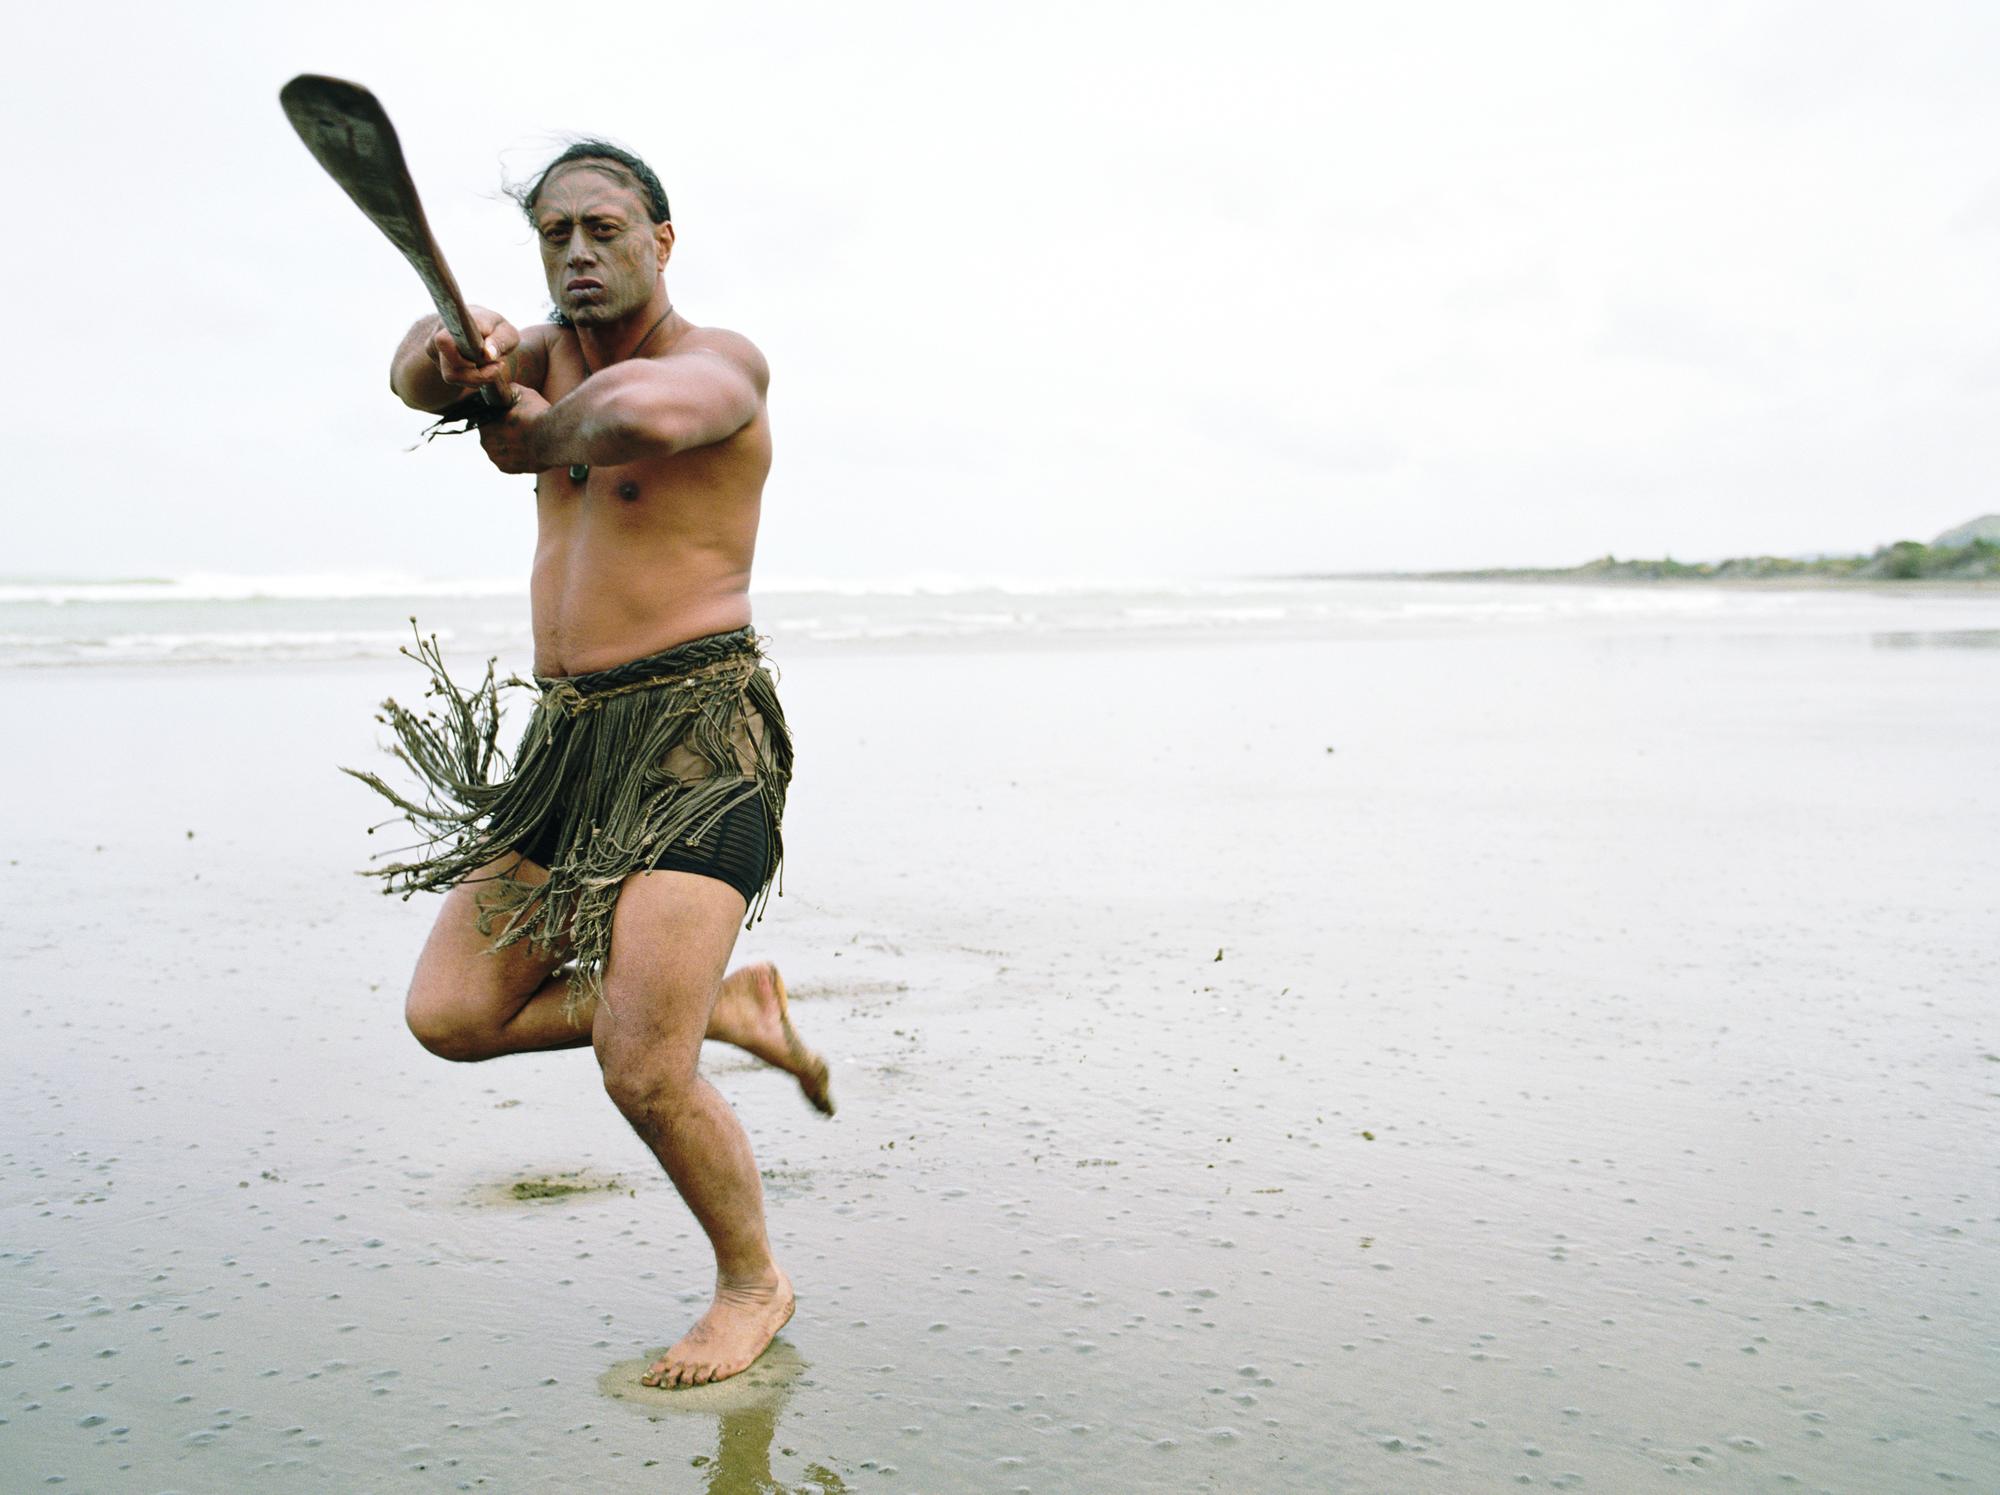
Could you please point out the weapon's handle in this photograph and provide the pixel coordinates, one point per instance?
(457, 319)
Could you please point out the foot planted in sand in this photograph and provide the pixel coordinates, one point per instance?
(738, 1327)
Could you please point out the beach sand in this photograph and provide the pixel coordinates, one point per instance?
(1560, 1057)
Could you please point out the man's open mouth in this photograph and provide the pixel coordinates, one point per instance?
(581, 286)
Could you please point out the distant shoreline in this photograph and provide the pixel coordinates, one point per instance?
(1582, 576)
(1975, 566)
(1969, 554)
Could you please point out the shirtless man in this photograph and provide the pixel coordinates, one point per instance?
(649, 443)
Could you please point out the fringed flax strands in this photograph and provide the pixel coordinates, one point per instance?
(622, 762)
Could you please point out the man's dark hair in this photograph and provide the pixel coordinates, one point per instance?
(621, 163)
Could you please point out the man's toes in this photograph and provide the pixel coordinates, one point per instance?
(818, 1090)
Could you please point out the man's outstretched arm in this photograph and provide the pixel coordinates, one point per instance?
(646, 407)
(428, 372)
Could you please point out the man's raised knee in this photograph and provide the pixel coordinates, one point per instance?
(441, 1025)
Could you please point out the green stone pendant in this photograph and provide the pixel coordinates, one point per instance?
(578, 471)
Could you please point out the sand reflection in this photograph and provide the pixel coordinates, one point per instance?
(746, 1409)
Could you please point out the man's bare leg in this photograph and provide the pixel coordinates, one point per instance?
(469, 1002)
(670, 943)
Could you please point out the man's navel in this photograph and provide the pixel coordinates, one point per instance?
(628, 490)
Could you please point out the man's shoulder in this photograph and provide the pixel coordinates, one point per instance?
(541, 336)
(541, 344)
(720, 342)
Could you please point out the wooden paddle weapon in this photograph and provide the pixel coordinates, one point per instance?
(348, 132)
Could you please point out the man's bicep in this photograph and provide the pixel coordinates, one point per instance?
(709, 396)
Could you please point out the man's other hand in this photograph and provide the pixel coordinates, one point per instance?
(499, 339)
(510, 439)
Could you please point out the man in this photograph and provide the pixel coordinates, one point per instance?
(596, 889)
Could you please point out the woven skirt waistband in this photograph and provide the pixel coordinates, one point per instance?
(682, 659)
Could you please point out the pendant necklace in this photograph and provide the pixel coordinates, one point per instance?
(580, 471)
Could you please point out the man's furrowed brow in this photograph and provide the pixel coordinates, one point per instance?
(559, 219)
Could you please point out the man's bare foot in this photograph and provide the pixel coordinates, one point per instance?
(738, 1327)
(752, 1014)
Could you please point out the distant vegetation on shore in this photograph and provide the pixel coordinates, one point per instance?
(1970, 552)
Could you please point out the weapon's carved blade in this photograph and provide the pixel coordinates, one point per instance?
(349, 134)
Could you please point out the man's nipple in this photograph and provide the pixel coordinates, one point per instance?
(628, 490)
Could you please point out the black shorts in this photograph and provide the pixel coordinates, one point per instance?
(736, 849)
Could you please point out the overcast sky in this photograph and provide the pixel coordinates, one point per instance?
(1047, 290)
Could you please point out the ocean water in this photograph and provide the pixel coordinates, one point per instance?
(219, 618)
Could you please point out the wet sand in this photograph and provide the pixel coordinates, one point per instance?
(1548, 1057)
